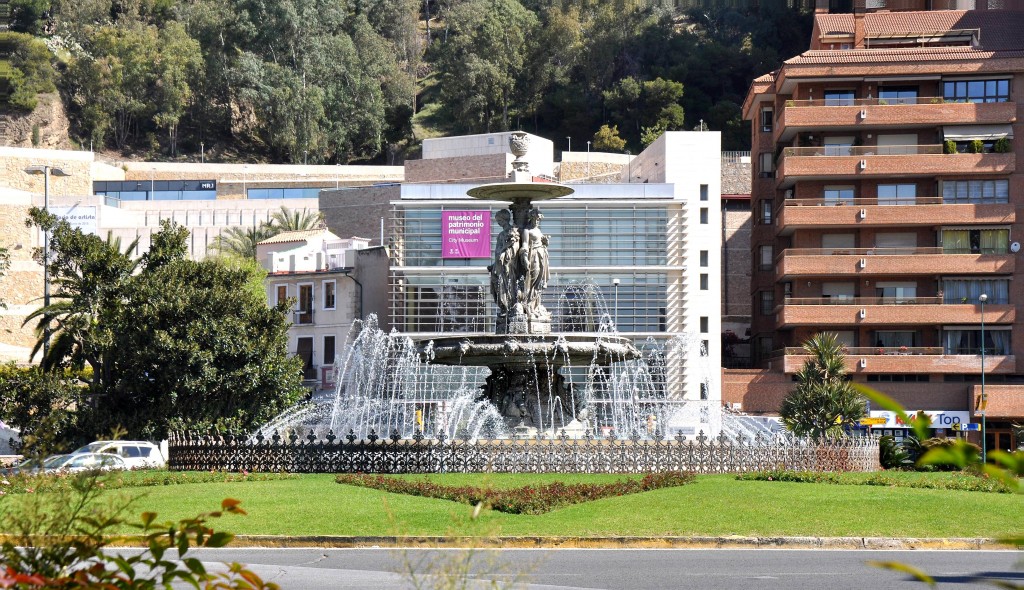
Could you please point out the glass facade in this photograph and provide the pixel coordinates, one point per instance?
(156, 190)
(283, 193)
(594, 252)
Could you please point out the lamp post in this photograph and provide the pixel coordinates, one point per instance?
(629, 167)
(46, 171)
(984, 401)
(588, 160)
(569, 139)
(615, 283)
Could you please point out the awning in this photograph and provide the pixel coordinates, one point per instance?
(972, 132)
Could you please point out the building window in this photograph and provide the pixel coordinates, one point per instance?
(767, 165)
(304, 306)
(704, 347)
(282, 294)
(703, 192)
(767, 258)
(838, 195)
(975, 241)
(703, 324)
(304, 350)
(897, 194)
(976, 191)
(704, 215)
(976, 91)
(839, 98)
(703, 281)
(329, 287)
(767, 302)
(766, 211)
(969, 341)
(703, 258)
(969, 290)
(329, 350)
(897, 95)
(767, 119)
(764, 347)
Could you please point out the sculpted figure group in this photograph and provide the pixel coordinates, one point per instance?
(519, 272)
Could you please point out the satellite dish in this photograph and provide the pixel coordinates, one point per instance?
(1015, 247)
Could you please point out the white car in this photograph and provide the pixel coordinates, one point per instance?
(135, 453)
(84, 462)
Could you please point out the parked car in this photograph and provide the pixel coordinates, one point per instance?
(135, 453)
(69, 463)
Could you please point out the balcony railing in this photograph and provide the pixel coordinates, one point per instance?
(863, 150)
(862, 301)
(866, 201)
(858, 251)
(866, 102)
(869, 351)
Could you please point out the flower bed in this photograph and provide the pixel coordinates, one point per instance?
(964, 482)
(112, 480)
(524, 500)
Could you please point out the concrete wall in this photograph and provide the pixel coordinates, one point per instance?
(21, 288)
(372, 269)
(540, 153)
(358, 211)
(481, 168)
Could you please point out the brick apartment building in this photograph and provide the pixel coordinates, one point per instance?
(885, 197)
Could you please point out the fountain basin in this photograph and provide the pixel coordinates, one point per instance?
(555, 351)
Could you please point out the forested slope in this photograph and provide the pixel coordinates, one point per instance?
(338, 81)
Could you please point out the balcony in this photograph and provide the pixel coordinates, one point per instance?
(302, 318)
(886, 311)
(855, 262)
(875, 113)
(796, 214)
(918, 359)
(904, 161)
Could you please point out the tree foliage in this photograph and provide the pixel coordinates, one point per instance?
(824, 403)
(26, 70)
(166, 340)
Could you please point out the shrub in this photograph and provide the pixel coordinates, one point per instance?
(949, 146)
(976, 146)
(1002, 146)
(963, 482)
(891, 454)
(524, 500)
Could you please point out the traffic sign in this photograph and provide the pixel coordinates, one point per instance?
(962, 426)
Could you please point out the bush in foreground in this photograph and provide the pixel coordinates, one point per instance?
(963, 482)
(523, 500)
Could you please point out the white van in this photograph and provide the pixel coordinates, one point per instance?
(136, 453)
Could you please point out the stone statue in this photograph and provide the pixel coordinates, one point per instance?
(505, 268)
(533, 259)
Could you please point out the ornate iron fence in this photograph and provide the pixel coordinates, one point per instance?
(702, 454)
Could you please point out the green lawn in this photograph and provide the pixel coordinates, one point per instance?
(714, 505)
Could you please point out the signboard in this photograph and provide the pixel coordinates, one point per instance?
(465, 234)
(963, 426)
(939, 418)
(872, 421)
(79, 217)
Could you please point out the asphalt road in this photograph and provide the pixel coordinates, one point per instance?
(614, 569)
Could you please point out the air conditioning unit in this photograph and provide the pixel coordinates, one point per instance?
(863, 113)
(863, 313)
(863, 363)
(863, 213)
(863, 164)
(863, 262)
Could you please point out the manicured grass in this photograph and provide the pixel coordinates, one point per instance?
(713, 505)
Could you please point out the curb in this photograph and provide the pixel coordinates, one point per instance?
(729, 542)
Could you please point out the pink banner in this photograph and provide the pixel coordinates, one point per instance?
(465, 234)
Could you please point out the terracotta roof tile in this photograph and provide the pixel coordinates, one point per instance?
(897, 55)
(295, 236)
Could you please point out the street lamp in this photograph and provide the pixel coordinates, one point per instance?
(615, 283)
(629, 166)
(47, 171)
(984, 401)
(569, 139)
(588, 160)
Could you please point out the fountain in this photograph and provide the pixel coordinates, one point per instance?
(536, 380)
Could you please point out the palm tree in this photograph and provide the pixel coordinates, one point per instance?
(241, 241)
(294, 220)
(824, 402)
(88, 275)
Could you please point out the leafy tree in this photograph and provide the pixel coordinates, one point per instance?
(43, 405)
(607, 139)
(481, 63)
(168, 340)
(25, 71)
(824, 402)
(28, 16)
(195, 346)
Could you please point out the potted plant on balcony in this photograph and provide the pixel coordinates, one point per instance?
(1002, 146)
(903, 350)
(949, 146)
(976, 146)
(880, 351)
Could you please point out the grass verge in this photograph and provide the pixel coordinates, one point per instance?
(713, 505)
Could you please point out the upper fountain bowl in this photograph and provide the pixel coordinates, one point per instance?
(514, 191)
